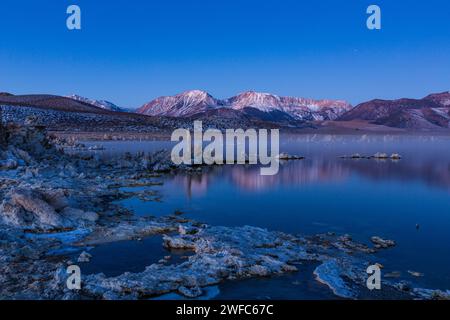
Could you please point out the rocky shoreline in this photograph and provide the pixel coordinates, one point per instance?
(53, 204)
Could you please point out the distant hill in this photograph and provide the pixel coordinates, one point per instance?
(47, 101)
(431, 112)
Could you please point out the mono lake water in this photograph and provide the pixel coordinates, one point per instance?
(119, 257)
(326, 193)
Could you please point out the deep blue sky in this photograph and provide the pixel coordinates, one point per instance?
(129, 51)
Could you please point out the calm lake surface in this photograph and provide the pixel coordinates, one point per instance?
(325, 193)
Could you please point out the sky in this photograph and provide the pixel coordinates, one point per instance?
(130, 52)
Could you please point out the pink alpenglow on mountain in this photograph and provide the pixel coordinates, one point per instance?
(431, 112)
(442, 99)
(195, 102)
(297, 108)
(182, 105)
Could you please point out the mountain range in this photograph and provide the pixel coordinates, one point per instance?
(254, 108)
(262, 106)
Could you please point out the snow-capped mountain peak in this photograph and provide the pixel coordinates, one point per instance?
(103, 104)
(196, 94)
(298, 108)
(181, 105)
(197, 101)
(259, 100)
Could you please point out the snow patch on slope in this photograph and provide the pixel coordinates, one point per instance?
(103, 104)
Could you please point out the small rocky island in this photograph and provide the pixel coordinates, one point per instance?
(53, 203)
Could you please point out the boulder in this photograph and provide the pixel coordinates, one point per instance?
(42, 213)
(415, 273)
(381, 243)
(380, 155)
(84, 257)
(178, 243)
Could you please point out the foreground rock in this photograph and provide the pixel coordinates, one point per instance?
(223, 253)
